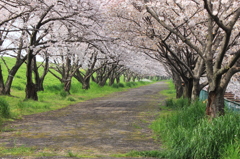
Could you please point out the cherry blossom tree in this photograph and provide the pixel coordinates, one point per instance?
(12, 38)
(44, 28)
(213, 34)
(140, 31)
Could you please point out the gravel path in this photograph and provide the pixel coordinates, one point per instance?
(100, 127)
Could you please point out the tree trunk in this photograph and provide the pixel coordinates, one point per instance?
(11, 74)
(2, 87)
(134, 78)
(31, 91)
(67, 86)
(178, 85)
(31, 88)
(179, 91)
(39, 80)
(86, 83)
(118, 79)
(111, 80)
(195, 90)
(187, 88)
(215, 105)
(128, 79)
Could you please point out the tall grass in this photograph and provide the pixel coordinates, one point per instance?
(188, 133)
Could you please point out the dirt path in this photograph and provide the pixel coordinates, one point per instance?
(100, 127)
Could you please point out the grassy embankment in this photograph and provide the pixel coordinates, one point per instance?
(53, 97)
(186, 132)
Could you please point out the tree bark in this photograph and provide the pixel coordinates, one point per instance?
(31, 88)
(215, 105)
(2, 87)
(195, 90)
(187, 88)
(39, 80)
(67, 86)
(111, 80)
(178, 85)
(86, 83)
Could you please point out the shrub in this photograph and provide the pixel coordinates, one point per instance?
(4, 108)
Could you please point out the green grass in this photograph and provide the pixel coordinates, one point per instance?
(4, 108)
(16, 151)
(170, 92)
(188, 133)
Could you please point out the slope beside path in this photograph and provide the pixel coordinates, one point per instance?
(100, 127)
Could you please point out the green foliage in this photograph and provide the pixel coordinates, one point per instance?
(4, 109)
(188, 133)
